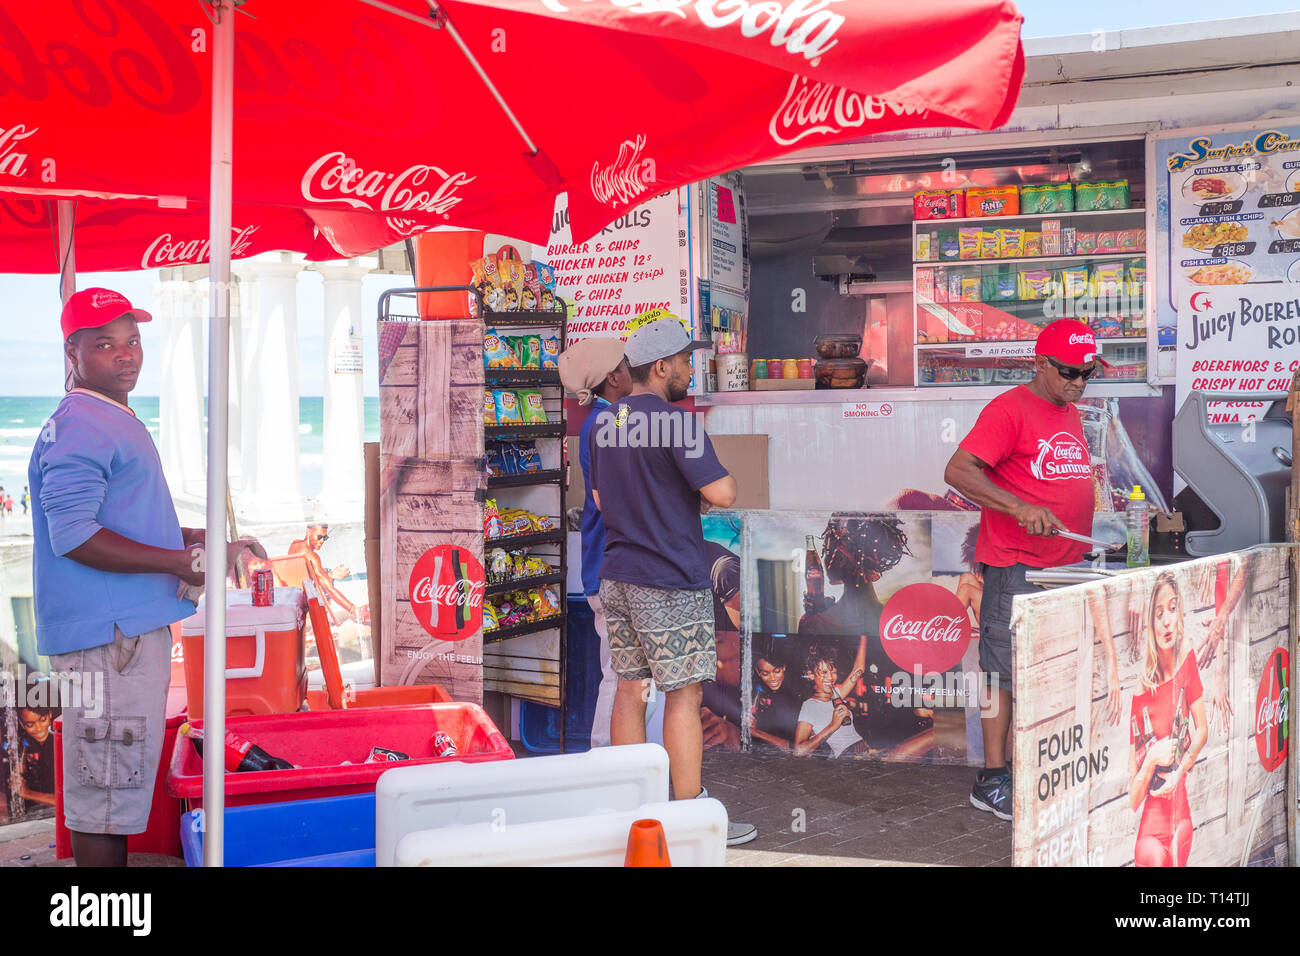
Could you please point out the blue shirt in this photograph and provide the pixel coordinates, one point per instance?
(593, 527)
(95, 466)
(649, 460)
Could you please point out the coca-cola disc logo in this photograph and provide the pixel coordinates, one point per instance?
(446, 591)
(1271, 708)
(925, 628)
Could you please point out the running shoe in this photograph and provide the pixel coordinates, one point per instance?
(737, 833)
(992, 792)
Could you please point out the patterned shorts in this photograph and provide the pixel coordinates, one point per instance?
(667, 635)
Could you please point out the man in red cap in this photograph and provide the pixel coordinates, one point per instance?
(108, 559)
(1026, 463)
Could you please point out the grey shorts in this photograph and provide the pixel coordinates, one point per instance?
(666, 635)
(1001, 585)
(112, 742)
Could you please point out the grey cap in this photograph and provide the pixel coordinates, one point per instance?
(660, 339)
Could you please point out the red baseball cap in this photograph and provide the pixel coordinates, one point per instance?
(1069, 341)
(95, 308)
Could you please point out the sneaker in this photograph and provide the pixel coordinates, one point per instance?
(737, 833)
(992, 792)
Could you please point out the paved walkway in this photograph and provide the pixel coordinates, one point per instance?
(811, 812)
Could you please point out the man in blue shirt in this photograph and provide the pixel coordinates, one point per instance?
(653, 472)
(108, 559)
(595, 371)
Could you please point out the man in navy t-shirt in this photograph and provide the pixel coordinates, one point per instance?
(653, 472)
(595, 371)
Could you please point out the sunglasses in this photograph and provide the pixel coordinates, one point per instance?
(1070, 374)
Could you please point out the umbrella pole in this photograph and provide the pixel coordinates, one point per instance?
(214, 646)
(67, 219)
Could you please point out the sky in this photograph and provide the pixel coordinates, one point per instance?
(29, 305)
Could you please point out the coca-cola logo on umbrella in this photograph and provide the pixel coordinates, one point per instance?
(446, 591)
(1271, 708)
(925, 628)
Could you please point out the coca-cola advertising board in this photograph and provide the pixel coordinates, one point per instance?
(1150, 719)
(863, 644)
(446, 592)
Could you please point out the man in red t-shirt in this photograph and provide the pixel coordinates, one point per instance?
(1026, 463)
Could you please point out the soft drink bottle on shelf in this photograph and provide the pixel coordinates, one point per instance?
(242, 756)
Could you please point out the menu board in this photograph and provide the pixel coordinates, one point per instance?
(1230, 210)
(636, 263)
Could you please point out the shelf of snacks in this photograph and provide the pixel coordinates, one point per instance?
(543, 477)
(533, 581)
(518, 376)
(990, 363)
(497, 432)
(524, 429)
(495, 634)
(520, 319)
(992, 266)
(532, 539)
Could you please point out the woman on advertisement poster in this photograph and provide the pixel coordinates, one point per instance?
(826, 718)
(857, 552)
(777, 702)
(1168, 728)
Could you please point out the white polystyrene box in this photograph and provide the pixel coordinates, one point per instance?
(512, 792)
(696, 831)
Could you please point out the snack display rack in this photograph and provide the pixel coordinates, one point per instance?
(977, 315)
(540, 492)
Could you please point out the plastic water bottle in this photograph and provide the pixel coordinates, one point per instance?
(1137, 521)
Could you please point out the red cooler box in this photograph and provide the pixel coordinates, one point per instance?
(319, 743)
(266, 670)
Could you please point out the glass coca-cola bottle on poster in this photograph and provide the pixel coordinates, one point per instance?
(813, 576)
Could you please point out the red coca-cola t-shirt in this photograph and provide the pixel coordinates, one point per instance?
(1036, 451)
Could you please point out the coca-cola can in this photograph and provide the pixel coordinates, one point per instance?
(443, 745)
(263, 588)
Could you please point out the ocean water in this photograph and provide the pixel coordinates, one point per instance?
(21, 420)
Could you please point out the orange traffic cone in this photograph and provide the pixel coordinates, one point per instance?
(646, 844)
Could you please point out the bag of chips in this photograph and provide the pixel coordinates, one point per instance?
(497, 352)
(489, 409)
(551, 352)
(508, 411)
(489, 616)
(531, 407)
(495, 462)
(499, 569)
(526, 458)
(492, 526)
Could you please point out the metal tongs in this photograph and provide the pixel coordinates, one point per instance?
(1094, 542)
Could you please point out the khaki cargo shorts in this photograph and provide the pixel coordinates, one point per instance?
(112, 742)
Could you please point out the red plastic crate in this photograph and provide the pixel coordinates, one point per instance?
(319, 742)
(162, 835)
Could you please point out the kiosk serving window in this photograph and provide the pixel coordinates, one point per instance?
(947, 266)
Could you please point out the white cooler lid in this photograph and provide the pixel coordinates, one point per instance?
(285, 614)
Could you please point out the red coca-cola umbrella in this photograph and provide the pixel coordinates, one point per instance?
(478, 112)
(382, 119)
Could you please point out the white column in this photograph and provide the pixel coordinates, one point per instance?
(269, 389)
(343, 485)
(180, 390)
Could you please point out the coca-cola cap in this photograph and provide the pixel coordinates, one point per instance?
(1069, 341)
(95, 308)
